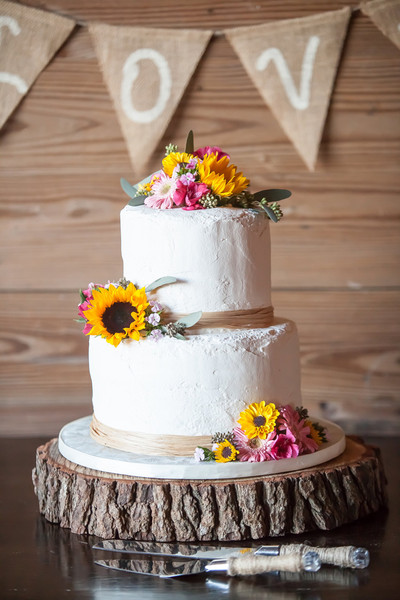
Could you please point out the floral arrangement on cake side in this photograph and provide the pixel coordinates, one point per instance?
(266, 433)
(201, 179)
(119, 311)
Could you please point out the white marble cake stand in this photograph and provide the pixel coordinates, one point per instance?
(76, 445)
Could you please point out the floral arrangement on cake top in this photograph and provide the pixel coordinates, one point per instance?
(200, 179)
(118, 311)
(266, 433)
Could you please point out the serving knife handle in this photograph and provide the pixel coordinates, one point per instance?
(255, 565)
(339, 556)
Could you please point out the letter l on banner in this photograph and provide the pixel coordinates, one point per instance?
(29, 38)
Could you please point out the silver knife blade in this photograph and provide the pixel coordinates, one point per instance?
(156, 567)
(180, 550)
(241, 565)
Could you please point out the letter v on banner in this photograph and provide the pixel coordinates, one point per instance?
(146, 72)
(293, 64)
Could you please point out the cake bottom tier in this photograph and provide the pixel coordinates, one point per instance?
(190, 389)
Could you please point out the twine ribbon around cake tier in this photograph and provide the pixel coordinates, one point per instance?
(146, 443)
(255, 318)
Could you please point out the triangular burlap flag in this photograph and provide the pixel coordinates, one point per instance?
(293, 64)
(29, 38)
(385, 14)
(146, 72)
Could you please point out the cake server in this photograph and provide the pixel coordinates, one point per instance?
(207, 552)
(234, 565)
(341, 556)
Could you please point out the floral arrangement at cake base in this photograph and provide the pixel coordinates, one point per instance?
(119, 311)
(201, 179)
(266, 433)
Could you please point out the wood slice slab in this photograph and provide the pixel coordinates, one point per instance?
(340, 491)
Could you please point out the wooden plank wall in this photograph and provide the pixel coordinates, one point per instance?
(335, 255)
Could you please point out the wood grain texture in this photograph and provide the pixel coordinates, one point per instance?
(335, 256)
(116, 506)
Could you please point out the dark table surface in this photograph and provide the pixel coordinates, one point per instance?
(41, 561)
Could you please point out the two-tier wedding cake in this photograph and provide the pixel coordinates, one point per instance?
(190, 367)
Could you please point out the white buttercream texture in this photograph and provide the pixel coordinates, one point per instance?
(220, 256)
(197, 386)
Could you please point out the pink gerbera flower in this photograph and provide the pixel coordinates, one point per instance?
(252, 449)
(162, 192)
(289, 419)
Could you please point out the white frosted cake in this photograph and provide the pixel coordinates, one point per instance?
(186, 356)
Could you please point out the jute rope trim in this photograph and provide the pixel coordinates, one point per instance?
(252, 565)
(255, 318)
(145, 443)
(340, 556)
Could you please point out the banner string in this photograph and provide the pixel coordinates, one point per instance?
(217, 33)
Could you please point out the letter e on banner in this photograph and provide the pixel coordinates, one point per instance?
(130, 73)
(5, 77)
(301, 100)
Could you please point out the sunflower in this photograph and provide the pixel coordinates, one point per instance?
(225, 452)
(258, 420)
(316, 433)
(173, 159)
(220, 176)
(117, 313)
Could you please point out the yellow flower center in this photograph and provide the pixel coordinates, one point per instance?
(256, 443)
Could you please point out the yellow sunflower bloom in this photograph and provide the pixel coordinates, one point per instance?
(117, 313)
(173, 159)
(315, 434)
(225, 452)
(220, 176)
(258, 420)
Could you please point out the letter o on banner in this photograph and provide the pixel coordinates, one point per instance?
(130, 72)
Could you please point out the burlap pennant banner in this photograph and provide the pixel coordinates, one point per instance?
(385, 14)
(293, 64)
(146, 72)
(29, 38)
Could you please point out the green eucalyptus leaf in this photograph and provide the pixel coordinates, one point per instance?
(82, 295)
(270, 213)
(130, 190)
(137, 201)
(190, 320)
(272, 195)
(80, 320)
(179, 336)
(189, 148)
(159, 282)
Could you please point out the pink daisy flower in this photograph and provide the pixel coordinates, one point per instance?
(289, 419)
(252, 449)
(162, 192)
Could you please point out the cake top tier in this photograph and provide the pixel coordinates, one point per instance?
(195, 219)
(221, 257)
